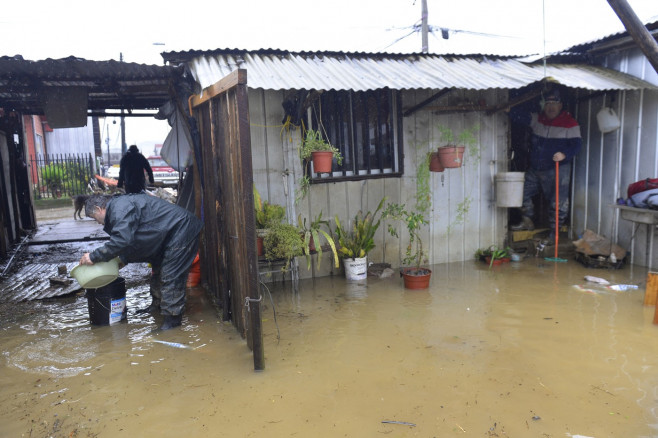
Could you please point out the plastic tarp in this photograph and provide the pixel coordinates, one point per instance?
(177, 147)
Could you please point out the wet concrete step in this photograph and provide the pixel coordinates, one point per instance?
(68, 231)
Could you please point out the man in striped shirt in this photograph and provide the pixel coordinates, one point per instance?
(555, 137)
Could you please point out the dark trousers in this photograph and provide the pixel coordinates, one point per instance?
(169, 277)
(543, 181)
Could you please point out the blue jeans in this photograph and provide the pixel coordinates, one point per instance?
(543, 181)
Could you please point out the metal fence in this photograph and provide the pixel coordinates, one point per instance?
(57, 175)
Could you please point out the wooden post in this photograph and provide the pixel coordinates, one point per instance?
(651, 292)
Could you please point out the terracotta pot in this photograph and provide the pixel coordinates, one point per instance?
(451, 156)
(259, 246)
(435, 163)
(322, 161)
(496, 262)
(416, 280)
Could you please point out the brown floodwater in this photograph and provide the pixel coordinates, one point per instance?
(523, 350)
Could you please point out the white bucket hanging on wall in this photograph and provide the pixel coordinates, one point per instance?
(509, 189)
(607, 120)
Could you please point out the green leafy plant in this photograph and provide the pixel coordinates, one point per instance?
(359, 239)
(311, 232)
(283, 242)
(266, 214)
(465, 138)
(313, 142)
(493, 253)
(414, 221)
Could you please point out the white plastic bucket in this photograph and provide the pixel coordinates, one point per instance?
(356, 269)
(509, 189)
(607, 120)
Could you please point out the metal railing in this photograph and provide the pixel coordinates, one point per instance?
(58, 175)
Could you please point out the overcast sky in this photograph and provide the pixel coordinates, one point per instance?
(141, 29)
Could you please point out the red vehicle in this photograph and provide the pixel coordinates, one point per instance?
(162, 172)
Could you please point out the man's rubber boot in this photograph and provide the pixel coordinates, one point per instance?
(525, 224)
(152, 308)
(171, 321)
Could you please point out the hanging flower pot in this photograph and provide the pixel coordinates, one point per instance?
(451, 156)
(435, 163)
(322, 161)
(416, 278)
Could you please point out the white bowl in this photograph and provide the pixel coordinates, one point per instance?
(97, 275)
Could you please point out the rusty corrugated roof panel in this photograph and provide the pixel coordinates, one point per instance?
(282, 70)
(110, 84)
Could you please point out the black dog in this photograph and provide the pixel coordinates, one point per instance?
(79, 204)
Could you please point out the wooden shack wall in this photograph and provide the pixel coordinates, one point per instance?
(277, 168)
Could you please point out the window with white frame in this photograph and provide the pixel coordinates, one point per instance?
(366, 126)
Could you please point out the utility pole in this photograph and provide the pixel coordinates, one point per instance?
(425, 47)
(107, 142)
(636, 30)
(124, 148)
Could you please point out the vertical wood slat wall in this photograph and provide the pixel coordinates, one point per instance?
(229, 245)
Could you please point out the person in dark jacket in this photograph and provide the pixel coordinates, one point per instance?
(144, 228)
(555, 137)
(131, 171)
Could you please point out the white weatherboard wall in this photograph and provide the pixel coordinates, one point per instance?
(448, 238)
(609, 162)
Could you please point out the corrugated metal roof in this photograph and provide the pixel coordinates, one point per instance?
(590, 77)
(281, 70)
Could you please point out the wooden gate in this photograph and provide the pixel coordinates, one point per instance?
(228, 247)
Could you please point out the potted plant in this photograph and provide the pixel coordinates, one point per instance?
(319, 151)
(311, 240)
(452, 153)
(266, 215)
(415, 276)
(494, 255)
(282, 242)
(356, 241)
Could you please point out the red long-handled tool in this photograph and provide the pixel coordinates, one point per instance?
(557, 216)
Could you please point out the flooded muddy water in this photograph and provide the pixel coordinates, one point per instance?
(523, 350)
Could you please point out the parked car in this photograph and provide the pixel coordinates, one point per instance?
(163, 173)
(112, 171)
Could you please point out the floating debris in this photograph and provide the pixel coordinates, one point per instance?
(596, 280)
(622, 287)
(403, 423)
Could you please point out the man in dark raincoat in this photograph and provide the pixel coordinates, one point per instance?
(131, 171)
(144, 228)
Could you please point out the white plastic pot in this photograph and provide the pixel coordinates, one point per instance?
(97, 275)
(356, 269)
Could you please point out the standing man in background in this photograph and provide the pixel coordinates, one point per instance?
(555, 138)
(131, 171)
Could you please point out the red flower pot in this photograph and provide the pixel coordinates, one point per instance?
(496, 262)
(435, 163)
(322, 161)
(451, 156)
(416, 278)
(260, 248)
